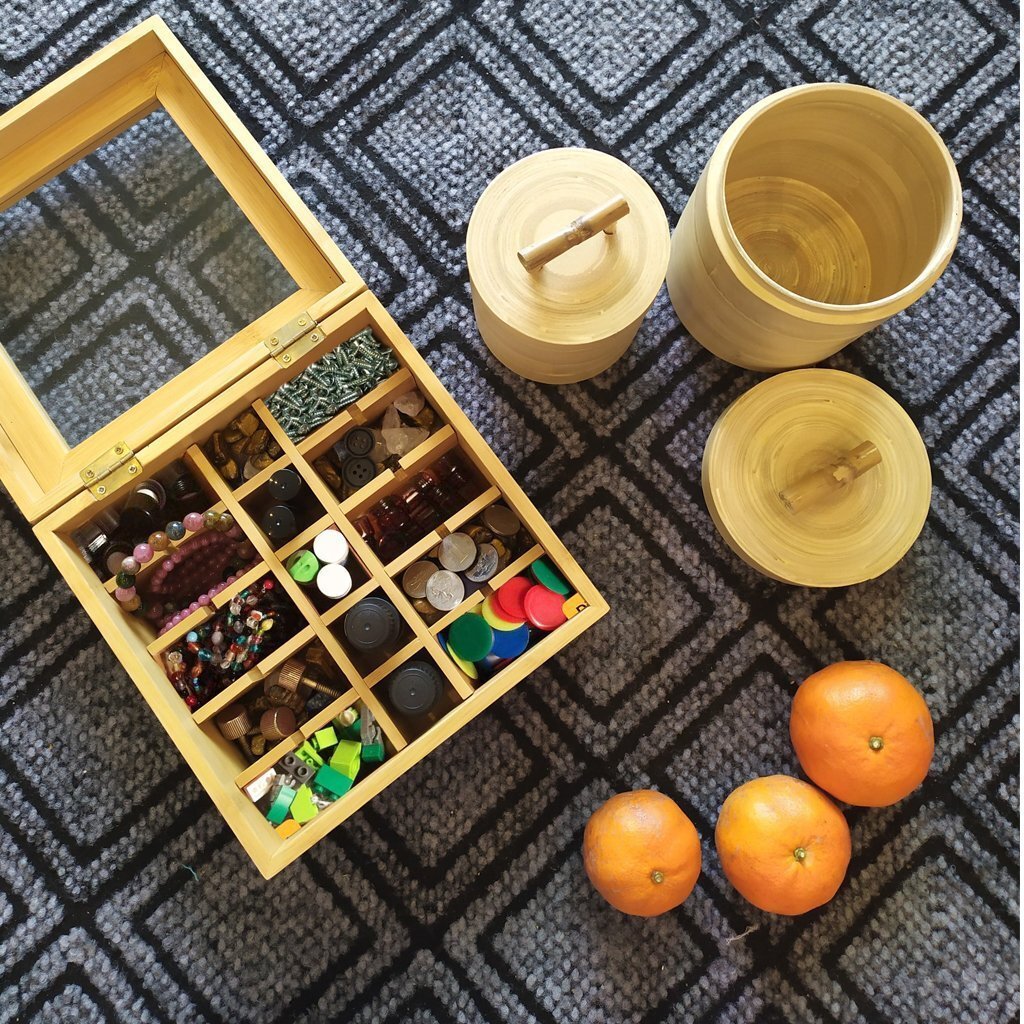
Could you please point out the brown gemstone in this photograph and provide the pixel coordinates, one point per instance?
(248, 422)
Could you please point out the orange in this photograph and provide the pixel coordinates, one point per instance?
(641, 852)
(862, 733)
(783, 844)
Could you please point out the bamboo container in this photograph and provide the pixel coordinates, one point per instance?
(60, 488)
(566, 251)
(823, 211)
(817, 478)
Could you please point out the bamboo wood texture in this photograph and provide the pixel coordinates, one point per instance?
(217, 763)
(573, 317)
(859, 506)
(601, 218)
(824, 210)
(66, 120)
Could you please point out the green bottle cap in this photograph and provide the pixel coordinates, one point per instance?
(470, 637)
(302, 566)
(548, 576)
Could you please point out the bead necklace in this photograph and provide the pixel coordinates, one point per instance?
(217, 652)
(196, 567)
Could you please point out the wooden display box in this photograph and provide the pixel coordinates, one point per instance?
(60, 488)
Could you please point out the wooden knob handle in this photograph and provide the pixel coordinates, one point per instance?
(820, 484)
(601, 218)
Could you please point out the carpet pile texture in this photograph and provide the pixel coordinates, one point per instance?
(458, 894)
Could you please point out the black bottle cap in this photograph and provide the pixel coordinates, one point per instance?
(372, 624)
(284, 485)
(278, 523)
(358, 471)
(359, 441)
(414, 688)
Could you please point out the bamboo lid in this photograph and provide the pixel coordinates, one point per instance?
(566, 251)
(818, 478)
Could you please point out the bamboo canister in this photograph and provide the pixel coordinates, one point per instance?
(566, 251)
(823, 211)
(817, 478)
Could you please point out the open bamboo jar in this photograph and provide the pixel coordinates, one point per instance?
(824, 210)
(817, 478)
(566, 251)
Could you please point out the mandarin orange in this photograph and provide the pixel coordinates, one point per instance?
(862, 732)
(642, 853)
(783, 844)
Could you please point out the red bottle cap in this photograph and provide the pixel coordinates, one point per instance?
(510, 597)
(543, 608)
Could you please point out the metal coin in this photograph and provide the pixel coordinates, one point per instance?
(414, 579)
(501, 520)
(485, 566)
(458, 552)
(445, 590)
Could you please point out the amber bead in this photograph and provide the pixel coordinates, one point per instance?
(159, 541)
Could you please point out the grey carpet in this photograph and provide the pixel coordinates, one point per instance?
(458, 894)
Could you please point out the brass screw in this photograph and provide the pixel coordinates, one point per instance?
(101, 489)
(133, 469)
(286, 358)
(292, 676)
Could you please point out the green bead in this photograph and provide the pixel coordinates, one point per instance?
(124, 580)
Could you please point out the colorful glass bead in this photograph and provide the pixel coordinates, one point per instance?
(124, 579)
(224, 523)
(142, 553)
(124, 594)
(159, 541)
(193, 522)
(130, 566)
(175, 530)
(210, 519)
(133, 604)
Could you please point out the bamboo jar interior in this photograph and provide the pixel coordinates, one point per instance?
(841, 195)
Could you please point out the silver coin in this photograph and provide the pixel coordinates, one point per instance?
(485, 566)
(445, 590)
(501, 520)
(414, 579)
(458, 552)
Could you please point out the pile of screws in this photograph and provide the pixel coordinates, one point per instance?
(338, 379)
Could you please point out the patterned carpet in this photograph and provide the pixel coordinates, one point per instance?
(458, 894)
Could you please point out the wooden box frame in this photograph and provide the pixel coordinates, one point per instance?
(66, 120)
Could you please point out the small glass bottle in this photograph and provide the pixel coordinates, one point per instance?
(140, 514)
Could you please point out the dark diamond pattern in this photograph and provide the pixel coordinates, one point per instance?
(458, 894)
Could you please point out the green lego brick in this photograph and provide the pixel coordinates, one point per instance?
(346, 758)
(331, 780)
(374, 753)
(351, 732)
(303, 808)
(280, 804)
(324, 738)
(307, 752)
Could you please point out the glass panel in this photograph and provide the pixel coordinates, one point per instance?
(124, 270)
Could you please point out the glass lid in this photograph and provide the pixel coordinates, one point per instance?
(124, 270)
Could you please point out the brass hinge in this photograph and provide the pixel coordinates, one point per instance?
(294, 339)
(112, 469)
